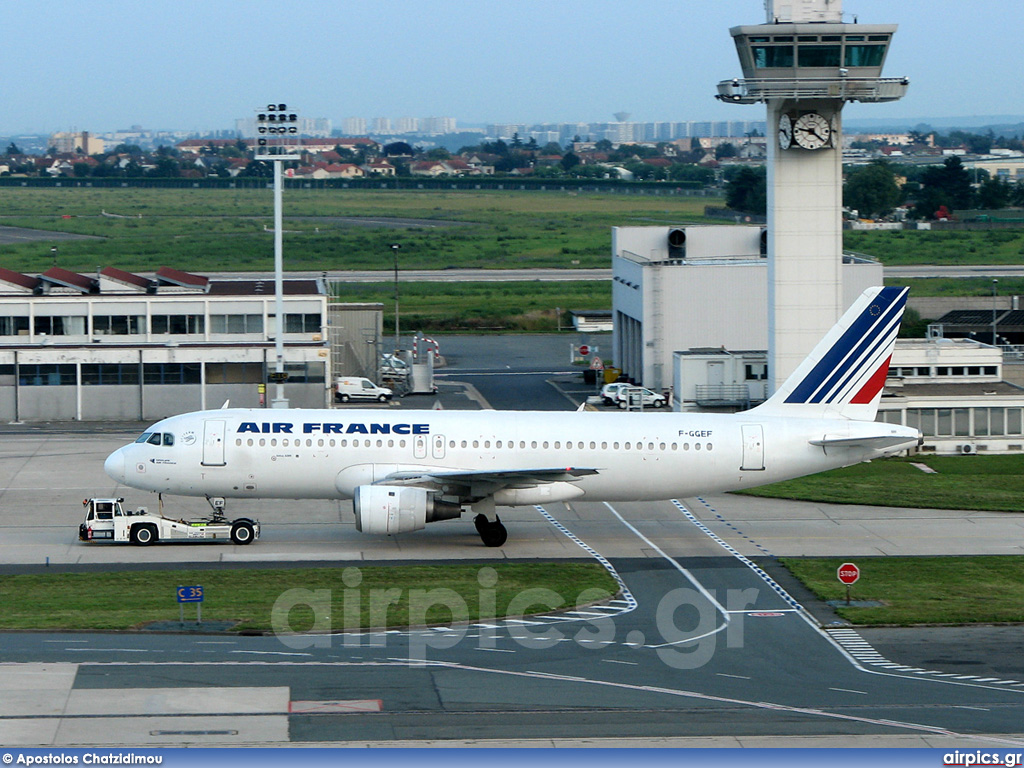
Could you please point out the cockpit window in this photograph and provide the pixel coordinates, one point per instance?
(155, 438)
(168, 438)
(144, 437)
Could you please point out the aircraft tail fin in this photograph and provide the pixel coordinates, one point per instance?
(844, 374)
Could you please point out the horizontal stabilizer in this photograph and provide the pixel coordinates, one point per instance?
(878, 442)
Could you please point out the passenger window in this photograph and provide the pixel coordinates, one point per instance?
(168, 438)
(558, 444)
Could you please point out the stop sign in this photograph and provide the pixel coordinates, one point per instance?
(848, 573)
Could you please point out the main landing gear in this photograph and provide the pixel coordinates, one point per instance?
(488, 525)
(492, 532)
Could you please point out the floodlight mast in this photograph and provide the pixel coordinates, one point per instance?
(277, 141)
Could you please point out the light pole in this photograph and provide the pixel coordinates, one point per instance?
(394, 250)
(994, 284)
(273, 127)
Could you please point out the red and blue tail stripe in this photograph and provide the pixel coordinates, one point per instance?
(853, 370)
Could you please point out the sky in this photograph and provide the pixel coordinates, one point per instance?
(191, 65)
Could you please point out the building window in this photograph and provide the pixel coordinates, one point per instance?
(1013, 421)
(818, 55)
(756, 371)
(236, 323)
(110, 373)
(177, 324)
(307, 323)
(118, 325)
(47, 375)
(864, 55)
(962, 422)
(171, 373)
(234, 373)
(768, 56)
(305, 373)
(13, 326)
(60, 325)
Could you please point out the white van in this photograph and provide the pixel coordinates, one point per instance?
(357, 388)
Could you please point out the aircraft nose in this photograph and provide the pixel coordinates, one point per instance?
(114, 465)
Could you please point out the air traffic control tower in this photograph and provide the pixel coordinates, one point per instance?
(805, 64)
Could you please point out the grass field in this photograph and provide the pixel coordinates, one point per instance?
(393, 596)
(507, 306)
(996, 246)
(992, 483)
(223, 230)
(922, 590)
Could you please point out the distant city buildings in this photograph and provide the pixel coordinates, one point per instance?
(77, 143)
(627, 132)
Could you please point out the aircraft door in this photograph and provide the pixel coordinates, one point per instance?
(753, 447)
(419, 446)
(213, 443)
(438, 446)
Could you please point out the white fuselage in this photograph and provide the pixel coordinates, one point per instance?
(326, 454)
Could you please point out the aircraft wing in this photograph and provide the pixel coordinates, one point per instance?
(490, 478)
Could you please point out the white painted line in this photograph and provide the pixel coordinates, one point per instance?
(273, 653)
(849, 690)
(689, 577)
(737, 677)
(979, 709)
(617, 661)
(494, 650)
(350, 705)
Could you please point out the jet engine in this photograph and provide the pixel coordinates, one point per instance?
(398, 509)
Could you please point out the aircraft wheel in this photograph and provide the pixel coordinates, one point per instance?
(143, 535)
(480, 521)
(241, 532)
(493, 534)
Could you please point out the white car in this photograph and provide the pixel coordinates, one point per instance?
(609, 392)
(646, 397)
(357, 388)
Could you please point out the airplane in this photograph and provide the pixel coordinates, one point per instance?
(403, 469)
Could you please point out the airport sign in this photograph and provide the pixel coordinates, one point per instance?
(848, 573)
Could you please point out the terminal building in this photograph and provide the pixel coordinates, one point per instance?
(120, 346)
